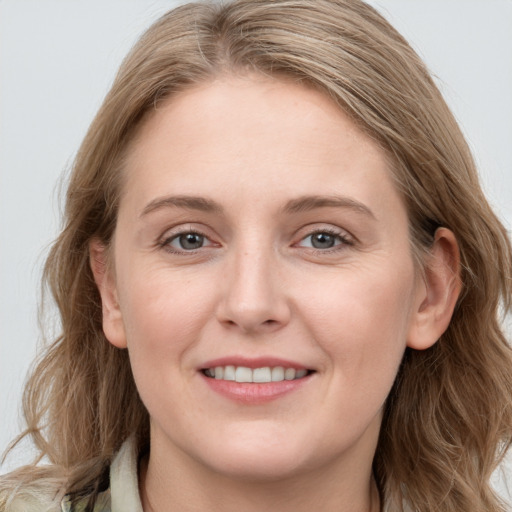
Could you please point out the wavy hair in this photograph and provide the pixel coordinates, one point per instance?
(448, 419)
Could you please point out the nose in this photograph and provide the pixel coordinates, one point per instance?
(253, 296)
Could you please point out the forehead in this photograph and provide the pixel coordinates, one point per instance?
(267, 107)
(255, 136)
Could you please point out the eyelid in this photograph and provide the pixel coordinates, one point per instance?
(170, 234)
(206, 241)
(311, 229)
(344, 237)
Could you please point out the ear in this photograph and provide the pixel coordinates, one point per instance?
(113, 325)
(437, 293)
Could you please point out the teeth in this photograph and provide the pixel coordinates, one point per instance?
(262, 375)
(277, 374)
(258, 375)
(289, 374)
(229, 373)
(243, 374)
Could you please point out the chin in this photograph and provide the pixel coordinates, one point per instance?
(261, 468)
(260, 457)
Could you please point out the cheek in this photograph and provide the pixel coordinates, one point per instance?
(362, 323)
(163, 322)
(162, 303)
(163, 319)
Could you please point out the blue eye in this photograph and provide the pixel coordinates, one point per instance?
(324, 240)
(189, 241)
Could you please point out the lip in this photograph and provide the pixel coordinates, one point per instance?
(254, 393)
(258, 362)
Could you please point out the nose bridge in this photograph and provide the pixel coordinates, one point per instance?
(253, 298)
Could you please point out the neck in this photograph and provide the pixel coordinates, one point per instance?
(190, 488)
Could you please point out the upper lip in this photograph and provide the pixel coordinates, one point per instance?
(258, 362)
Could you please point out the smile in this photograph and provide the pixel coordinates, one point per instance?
(255, 375)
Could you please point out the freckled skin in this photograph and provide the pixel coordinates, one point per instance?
(257, 286)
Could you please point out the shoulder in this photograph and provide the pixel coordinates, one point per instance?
(36, 499)
(32, 500)
(43, 504)
(32, 489)
(28, 492)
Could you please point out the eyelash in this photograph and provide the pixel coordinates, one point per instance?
(343, 239)
(165, 243)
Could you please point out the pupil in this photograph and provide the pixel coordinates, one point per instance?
(322, 241)
(191, 241)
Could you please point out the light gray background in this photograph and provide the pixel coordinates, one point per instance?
(57, 59)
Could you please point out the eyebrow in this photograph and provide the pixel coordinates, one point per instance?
(299, 205)
(188, 202)
(308, 203)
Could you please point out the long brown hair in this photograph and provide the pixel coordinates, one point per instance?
(449, 415)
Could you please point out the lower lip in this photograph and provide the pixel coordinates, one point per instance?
(254, 393)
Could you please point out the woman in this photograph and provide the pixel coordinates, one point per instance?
(279, 281)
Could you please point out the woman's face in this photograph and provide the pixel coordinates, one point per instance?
(260, 238)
